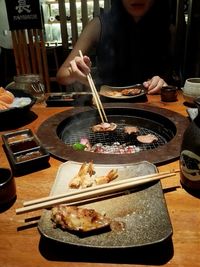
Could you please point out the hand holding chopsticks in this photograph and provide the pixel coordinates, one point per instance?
(96, 95)
(92, 193)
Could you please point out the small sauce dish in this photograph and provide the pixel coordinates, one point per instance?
(169, 93)
(7, 188)
(25, 152)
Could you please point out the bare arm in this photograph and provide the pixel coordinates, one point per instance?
(74, 68)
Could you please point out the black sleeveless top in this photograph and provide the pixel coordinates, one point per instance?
(129, 52)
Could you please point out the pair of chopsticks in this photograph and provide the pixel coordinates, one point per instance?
(91, 193)
(96, 95)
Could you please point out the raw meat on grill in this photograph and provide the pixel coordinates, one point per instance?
(104, 127)
(147, 139)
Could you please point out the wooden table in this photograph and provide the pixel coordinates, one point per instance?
(22, 245)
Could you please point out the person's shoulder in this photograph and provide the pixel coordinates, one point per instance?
(94, 21)
(93, 25)
(91, 32)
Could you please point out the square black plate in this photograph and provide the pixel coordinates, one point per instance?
(73, 99)
(24, 151)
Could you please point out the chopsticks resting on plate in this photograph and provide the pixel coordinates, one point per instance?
(92, 192)
(96, 95)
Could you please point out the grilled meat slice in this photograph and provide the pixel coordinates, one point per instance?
(104, 127)
(131, 91)
(78, 219)
(131, 129)
(147, 139)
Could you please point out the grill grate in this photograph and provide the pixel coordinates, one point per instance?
(70, 137)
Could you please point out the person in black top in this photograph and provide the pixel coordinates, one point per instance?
(132, 42)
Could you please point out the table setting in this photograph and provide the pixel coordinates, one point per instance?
(153, 213)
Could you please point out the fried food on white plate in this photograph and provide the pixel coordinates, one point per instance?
(112, 175)
(86, 177)
(82, 179)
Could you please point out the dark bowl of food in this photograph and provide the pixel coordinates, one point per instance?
(18, 107)
(71, 99)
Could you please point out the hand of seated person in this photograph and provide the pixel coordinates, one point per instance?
(154, 85)
(78, 70)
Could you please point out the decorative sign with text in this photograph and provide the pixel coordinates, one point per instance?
(24, 14)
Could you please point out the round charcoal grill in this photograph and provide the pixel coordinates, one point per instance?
(70, 136)
(62, 130)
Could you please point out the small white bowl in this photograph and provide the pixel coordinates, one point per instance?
(192, 87)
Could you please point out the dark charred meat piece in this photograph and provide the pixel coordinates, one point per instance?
(131, 129)
(104, 127)
(78, 219)
(147, 139)
(131, 91)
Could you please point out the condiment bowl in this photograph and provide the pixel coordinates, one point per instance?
(169, 93)
(7, 187)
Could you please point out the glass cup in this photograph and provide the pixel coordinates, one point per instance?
(31, 83)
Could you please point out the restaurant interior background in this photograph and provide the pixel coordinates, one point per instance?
(58, 35)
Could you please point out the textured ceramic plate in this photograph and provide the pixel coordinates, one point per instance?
(112, 92)
(142, 212)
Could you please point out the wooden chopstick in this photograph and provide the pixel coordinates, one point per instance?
(88, 189)
(95, 95)
(95, 192)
